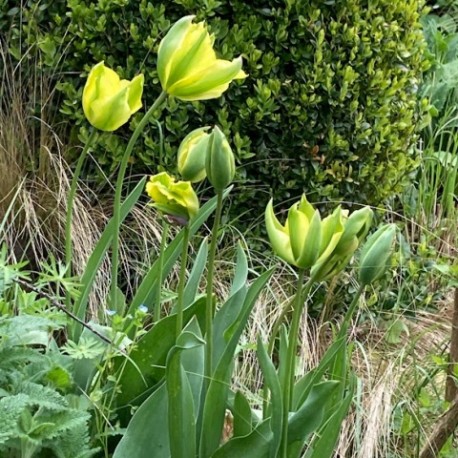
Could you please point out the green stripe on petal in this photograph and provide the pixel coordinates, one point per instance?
(312, 243)
(278, 236)
(168, 48)
(221, 72)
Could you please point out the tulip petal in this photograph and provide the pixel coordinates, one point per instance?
(171, 197)
(195, 54)
(168, 48)
(330, 225)
(312, 243)
(298, 226)
(279, 239)
(109, 114)
(135, 93)
(220, 73)
(306, 207)
(108, 101)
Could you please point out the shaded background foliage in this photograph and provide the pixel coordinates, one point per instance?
(329, 107)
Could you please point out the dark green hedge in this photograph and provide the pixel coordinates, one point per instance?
(330, 106)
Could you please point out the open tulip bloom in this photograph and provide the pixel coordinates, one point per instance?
(174, 198)
(306, 241)
(187, 64)
(108, 101)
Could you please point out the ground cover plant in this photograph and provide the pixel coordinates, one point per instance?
(174, 339)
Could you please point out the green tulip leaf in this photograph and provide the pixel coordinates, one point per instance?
(96, 258)
(276, 396)
(145, 366)
(147, 434)
(216, 399)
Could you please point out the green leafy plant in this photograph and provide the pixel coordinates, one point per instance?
(38, 412)
(347, 72)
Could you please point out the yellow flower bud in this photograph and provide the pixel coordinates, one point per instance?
(174, 198)
(108, 101)
(192, 153)
(219, 161)
(187, 65)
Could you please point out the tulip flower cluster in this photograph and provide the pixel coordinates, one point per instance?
(308, 242)
(189, 70)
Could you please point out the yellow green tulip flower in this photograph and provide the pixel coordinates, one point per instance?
(187, 64)
(299, 240)
(108, 101)
(174, 198)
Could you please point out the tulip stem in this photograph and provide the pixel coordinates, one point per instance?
(157, 305)
(209, 312)
(118, 193)
(276, 328)
(184, 261)
(71, 200)
(351, 310)
(291, 355)
(70, 207)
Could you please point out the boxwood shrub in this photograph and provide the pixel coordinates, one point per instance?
(330, 106)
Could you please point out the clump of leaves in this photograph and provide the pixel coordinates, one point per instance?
(38, 413)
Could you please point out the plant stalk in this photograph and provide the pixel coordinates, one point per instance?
(184, 261)
(71, 200)
(118, 192)
(291, 356)
(351, 310)
(157, 305)
(275, 330)
(209, 312)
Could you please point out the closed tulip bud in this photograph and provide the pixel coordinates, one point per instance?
(174, 198)
(187, 65)
(376, 254)
(192, 153)
(108, 101)
(219, 161)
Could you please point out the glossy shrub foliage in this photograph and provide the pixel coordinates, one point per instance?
(329, 106)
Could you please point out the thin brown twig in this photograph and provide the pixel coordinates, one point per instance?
(61, 307)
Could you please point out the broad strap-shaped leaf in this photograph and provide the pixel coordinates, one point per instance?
(148, 432)
(256, 445)
(311, 415)
(216, 399)
(259, 443)
(241, 271)
(145, 366)
(228, 313)
(192, 285)
(324, 444)
(305, 384)
(181, 408)
(96, 258)
(147, 290)
(241, 412)
(276, 397)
